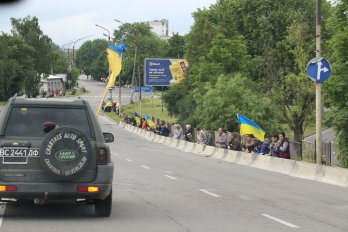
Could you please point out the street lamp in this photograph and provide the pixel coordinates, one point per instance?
(108, 35)
(73, 61)
(119, 81)
(105, 30)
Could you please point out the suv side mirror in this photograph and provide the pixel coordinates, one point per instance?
(108, 137)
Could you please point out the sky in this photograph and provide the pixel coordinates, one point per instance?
(68, 20)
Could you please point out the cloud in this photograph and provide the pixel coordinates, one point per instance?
(70, 28)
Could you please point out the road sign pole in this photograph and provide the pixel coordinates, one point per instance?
(318, 110)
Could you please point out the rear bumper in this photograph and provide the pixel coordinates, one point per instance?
(59, 190)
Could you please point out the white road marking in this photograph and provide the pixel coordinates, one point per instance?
(129, 160)
(2, 212)
(280, 221)
(170, 177)
(146, 167)
(115, 154)
(209, 193)
(244, 197)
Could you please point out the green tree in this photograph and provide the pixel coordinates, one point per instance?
(267, 42)
(176, 46)
(336, 88)
(92, 59)
(231, 95)
(60, 64)
(17, 66)
(29, 29)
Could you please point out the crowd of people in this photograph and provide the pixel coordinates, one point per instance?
(276, 146)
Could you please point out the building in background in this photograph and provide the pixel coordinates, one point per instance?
(160, 28)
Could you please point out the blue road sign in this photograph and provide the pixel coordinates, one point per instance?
(147, 89)
(319, 70)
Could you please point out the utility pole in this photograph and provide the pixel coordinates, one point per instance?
(139, 80)
(318, 111)
(133, 76)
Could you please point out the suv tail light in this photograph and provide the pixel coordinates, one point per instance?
(102, 156)
(8, 188)
(88, 189)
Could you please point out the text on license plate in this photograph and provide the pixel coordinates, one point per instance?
(19, 152)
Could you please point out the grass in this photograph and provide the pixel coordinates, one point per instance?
(152, 106)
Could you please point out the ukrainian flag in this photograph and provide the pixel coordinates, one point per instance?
(248, 126)
(149, 121)
(137, 117)
(115, 56)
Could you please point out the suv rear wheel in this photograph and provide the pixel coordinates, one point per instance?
(103, 207)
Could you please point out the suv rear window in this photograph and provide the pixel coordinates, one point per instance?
(29, 121)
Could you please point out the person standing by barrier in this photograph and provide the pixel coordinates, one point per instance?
(235, 143)
(209, 138)
(144, 124)
(264, 150)
(189, 133)
(221, 139)
(201, 139)
(164, 130)
(274, 150)
(250, 143)
(284, 148)
(178, 133)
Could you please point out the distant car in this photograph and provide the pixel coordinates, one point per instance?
(54, 150)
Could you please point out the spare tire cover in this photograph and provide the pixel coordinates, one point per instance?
(65, 152)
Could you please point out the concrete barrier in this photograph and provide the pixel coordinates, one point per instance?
(122, 124)
(198, 149)
(157, 138)
(325, 174)
(306, 170)
(209, 151)
(246, 158)
(168, 141)
(189, 147)
(139, 131)
(152, 136)
(181, 144)
(284, 166)
(232, 156)
(335, 175)
(162, 139)
(262, 162)
(147, 134)
(131, 128)
(220, 153)
(135, 130)
(143, 133)
(174, 143)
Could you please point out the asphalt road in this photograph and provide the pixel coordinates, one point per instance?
(159, 188)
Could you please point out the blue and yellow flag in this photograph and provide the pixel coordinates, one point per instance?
(248, 126)
(137, 117)
(149, 121)
(115, 56)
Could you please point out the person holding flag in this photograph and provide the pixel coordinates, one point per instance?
(137, 118)
(149, 121)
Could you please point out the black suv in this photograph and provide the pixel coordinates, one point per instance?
(54, 150)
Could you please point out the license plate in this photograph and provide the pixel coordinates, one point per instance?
(19, 152)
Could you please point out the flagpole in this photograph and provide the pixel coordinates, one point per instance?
(102, 100)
